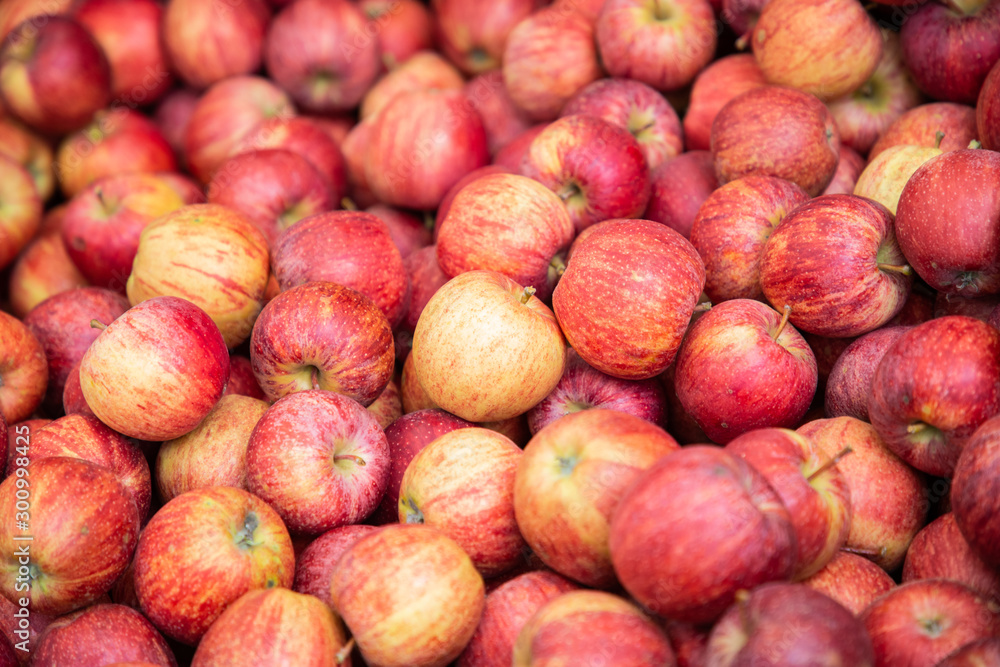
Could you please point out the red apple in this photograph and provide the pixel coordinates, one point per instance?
(979, 653)
(17, 11)
(43, 269)
(473, 35)
(23, 369)
(988, 111)
(408, 232)
(404, 27)
(851, 580)
(355, 149)
(21, 628)
(849, 168)
(971, 306)
(445, 206)
(920, 126)
(426, 278)
(850, 380)
(20, 210)
(679, 187)
(713, 87)
(102, 634)
(939, 551)
(314, 566)
(31, 151)
(241, 378)
(503, 122)
(172, 116)
(885, 176)
(972, 489)
(73, 400)
(512, 154)
(426, 70)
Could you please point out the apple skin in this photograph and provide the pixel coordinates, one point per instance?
(512, 154)
(569, 483)
(776, 131)
(678, 188)
(43, 269)
(850, 381)
(102, 634)
(919, 126)
(732, 227)
(172, 115)
(730, 363)
(933, 388)
(355, 150)
(473, 36)
(75, 556)
(409, 595)
(12, 630)
(549, 57)
(214, 453)
(819, 507)
(885, 175)
(506, 223)
(24, 370)
(314, 566)
(322, 54)
(274, 626)
(241, 378)
(426, 278)
(319, 459)
(972, 489)
(695, 528)
(580, 626)
(13, 14)
(485, 350)
(980, 653)
(300, 341)
(445, 206)
(626, 317)
(825, 262)
(61, 324)
(404, 28)
(788, 624)
(889, 499)
(663, 44)
(388, 407)
(849, 168)
(73, 400)
(21, 210)
(921, 622)
(31, 151)
(939, 551)
(408, 232)
(427, 70)
(988, 111)
(713, 87)
(53, 99)
(503, 122)
(970, 181)
(852, 580)
(596, 168)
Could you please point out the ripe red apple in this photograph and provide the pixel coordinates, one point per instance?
(849, 168)
(972, 488)
(742, 367)
(627, 317)
(241, 379)
(426, 278)
(920, 127)
(473, 35)
(404, 27)
(678, 189)
(220, 534)
(427, 70)
(988, 111)
(503, 122)
(172, 116)
(23, 369)
(355, 149)
(713, 87)
(445, 206)
(315, 564)
(20, 210)
(31, 151)
(939, 551)
(18, 11)
(73, 400)
(776, 131)
(43, 269)
(850, 380)
(23, 636)
(322, 336)
(694, 529)
(512, 154)
(885, 176)
(974, 654)
(852, 580)
(408, 232)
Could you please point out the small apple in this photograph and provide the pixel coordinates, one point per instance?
(23, 369)
(852, 580)
(102, 634)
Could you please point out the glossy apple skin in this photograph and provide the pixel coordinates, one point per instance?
(320, 459)
(102, 634)
(427, 70)
(274, 626)
(627, 296)
(850, 380)
(596, 168)
(889, 499)
(988, 111)
(713, 87)
(970, 180)
(473, 36)
(299, 342)
(694, 529)
(678, 188)
(579, 625)
(221, 535)
(732, 227)
(43, 269)
(314, 566)
(819, 507)
(851, 580)
(22, 210)
(53, 99)
(885, 175)
(822, 261)
(548, 58)
(84, 524)
(944, 377)
(62, 325)
(409, 595)
(940, 551)
(921, 622)
(972, 491)
(502, 120)
(169, 332)
(788, 624)
(24, 370)
(506, 223)
(728, 366)
(975, 654)
(919, 126)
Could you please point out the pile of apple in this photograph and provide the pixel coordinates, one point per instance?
(592, 332)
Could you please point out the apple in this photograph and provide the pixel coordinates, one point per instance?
(742, 367)
(53, 99)
(102, 634)
(788, 624)
(974, 654)
(834, 261)
(31, 151)
(627, 317)
(23, 636)
(972, 306)
(885, 175)
(19, 11)
(241, 379)
(408, 232)
(549, 57)
(181, 341)
(319, 459)
(921, 125)
(43, 269)
(597, 168)
(172, 116)
(73, 557)
(214, 453)
(849, 168)
(323, 54)
(506, 223)
(921, 622)
(889, 499)
(210, 42)
(579, 626)
(20, 210)
(850, 380)
(694, 529)
(427, 70)
(222, 535)
(485, 349)
(445, 206)
(988, 111)
(939, 551)
(23, 369)
(713, 87)
(732, 227)
(404, 27)
(512, 154)
(472, 35)
(425, 278)
(852, 580)
(776, 131)
(678, 189)
(503, 122)
(409, 595)
(355, 150)
(973, 478)
(300, 341)
(315, 564)
(388, 407)
(73, 400)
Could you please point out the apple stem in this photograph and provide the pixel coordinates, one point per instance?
(974, 144)
(645, 127)
(938, 138)
(703, 307)
(903, 269)
(559, 265)
(337, 458)
(428, 221)
(829, 464)
(743, 603)
(97, 324)
(244, 538)
(99, 193)
(345, 652)
(743, 40)
(867, 553)
(913, 429)
(528, 293)
(784, 320)
(348, 204)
